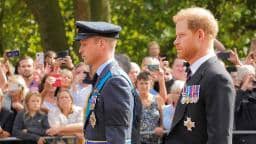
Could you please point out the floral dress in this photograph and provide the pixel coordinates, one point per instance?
(149, 121)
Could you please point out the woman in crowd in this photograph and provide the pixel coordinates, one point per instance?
(48, 90)
(16, 92)
(151, 111)
(245, 104)
(67, 119)
(6, 119)
(81, 89)
(31, 124)
(66, 79)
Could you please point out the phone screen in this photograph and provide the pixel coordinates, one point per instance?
(153, 67)
(57, 82)
(62, 54)
(13, 53)
(223, 55)
(40, 57)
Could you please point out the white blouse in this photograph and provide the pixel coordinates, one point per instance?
(57, 118)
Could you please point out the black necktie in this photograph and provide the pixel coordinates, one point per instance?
(89, 80)
(95, 78)
(188, 70)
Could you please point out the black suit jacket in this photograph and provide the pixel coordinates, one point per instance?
(212, 114)
(114, 108)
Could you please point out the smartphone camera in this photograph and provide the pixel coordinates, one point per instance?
(231, 69)
(153, 67)
(40, 57)
(13, 53)
(57, 80)
(62, 54)
(223, 55)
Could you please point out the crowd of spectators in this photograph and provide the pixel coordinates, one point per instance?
(49, 99)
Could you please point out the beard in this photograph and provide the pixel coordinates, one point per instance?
(27, 74)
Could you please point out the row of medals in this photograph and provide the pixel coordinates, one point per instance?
(190, 95)
(92, 107)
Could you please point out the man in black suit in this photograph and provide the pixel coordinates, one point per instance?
(204, 113)
(109, 111)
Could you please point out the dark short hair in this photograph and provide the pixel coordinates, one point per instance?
(144, 76)
(18, 63)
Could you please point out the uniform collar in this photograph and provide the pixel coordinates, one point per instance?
(194, 67)
(101, 68)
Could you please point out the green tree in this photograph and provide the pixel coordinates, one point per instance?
(146, 20)
(51, 25)
(100, 10)
(141, 20)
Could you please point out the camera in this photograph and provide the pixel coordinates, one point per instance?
(40, 57)
(62, 54)
(223, 55)
(56, 79)
(231, 69)
(153, 67)
(13, 53)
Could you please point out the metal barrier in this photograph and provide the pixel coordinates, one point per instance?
(151, 133)
(73, 139)
(49, 140)
(244, 132)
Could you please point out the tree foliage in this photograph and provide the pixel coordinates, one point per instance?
(146, 20)
(141, 20)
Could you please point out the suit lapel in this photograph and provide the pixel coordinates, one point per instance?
(195, 79)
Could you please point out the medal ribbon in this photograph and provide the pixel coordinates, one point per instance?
(93, 98)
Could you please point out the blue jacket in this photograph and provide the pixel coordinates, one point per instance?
(114, 108)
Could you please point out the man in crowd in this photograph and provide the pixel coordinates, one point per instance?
(26, 69)
(109, 112)
(204, 111)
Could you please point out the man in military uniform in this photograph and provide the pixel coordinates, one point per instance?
(109, 111)
(204, 112)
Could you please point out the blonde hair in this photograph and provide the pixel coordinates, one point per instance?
(67, 72)
(177, 86)
(28, 96)
(244, 70)
(17, 79)
(70, 96)
(198, 18)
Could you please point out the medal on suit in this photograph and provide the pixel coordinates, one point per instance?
(93, 101)
(93, 119)
(190, 94)
(90, 109)
(189, 124)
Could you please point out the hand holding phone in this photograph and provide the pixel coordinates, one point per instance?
(14, 53)
(62, 54)
(153, 67)
(55, 80)
(224, 55)
(40, 57)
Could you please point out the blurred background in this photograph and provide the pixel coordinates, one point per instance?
(40, 25)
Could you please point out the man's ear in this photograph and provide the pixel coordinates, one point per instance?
(200, 34)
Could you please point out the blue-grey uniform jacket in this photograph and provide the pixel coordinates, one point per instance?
(114, 108)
